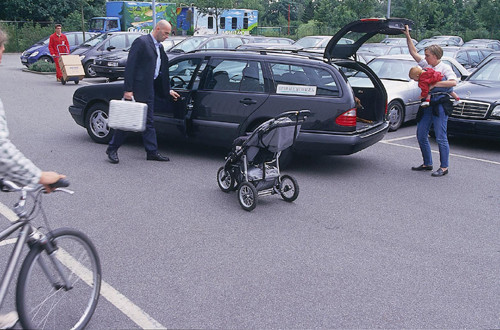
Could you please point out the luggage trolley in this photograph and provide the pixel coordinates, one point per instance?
(252, 167)
(64, 50)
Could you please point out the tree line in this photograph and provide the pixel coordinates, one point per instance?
(27, 21)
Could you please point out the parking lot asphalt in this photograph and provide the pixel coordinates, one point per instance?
(367, 244)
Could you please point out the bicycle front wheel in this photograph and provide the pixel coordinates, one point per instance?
(47, 300)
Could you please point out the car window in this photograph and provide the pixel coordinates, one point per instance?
(490, 71)
(131, 38)
(235, 75)
(217, 43)
(394, 50)
(287, 76)
(475, 57)
(232, 43)
(119, 41)
(182, 72)
(391, 69)
(462, 58)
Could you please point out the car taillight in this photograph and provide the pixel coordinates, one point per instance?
(386, 107)
(348, 118)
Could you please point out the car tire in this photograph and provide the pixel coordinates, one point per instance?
(46, 59)
(89, 71)
(395, 115)
(96, 123)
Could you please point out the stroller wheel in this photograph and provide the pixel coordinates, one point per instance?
(247, 196)
(225, 180)
(289, 188)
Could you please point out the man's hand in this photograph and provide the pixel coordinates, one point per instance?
(48, 178)
(128, 96)
(174, 95)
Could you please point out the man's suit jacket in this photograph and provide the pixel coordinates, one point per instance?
(140, 70)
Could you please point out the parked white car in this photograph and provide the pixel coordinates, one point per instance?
(403, 93)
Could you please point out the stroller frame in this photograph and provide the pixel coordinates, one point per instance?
(252, 167)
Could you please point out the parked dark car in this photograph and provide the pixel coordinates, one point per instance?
(103, 44)
(225, 94)
(112, 65)
(479, 113)
(40, 50)
(469, 57)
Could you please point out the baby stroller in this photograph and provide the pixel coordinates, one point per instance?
(252, 166)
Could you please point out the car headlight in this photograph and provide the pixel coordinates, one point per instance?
(496, 112)
(82, 57)
(112, 63)
(35, 53)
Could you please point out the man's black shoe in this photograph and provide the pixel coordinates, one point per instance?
(112, 156)
(422, 168)
(158, 157)
(440, 172)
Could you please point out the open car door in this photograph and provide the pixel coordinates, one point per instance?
(361, 31)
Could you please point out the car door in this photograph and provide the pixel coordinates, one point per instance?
(232, 89)
(174, 118)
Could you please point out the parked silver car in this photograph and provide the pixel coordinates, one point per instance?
(403, 94)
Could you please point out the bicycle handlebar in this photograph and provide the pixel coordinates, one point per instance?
(9, 186)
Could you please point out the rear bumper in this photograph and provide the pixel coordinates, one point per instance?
(338, 144)
(487, 129)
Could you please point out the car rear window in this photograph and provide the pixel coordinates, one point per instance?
(320, 81)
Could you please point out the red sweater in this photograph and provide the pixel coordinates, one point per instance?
(58, 45)
(428, 77)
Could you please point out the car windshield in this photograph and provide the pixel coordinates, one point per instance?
(375, 49)
(95, 40)
(44, 41)
(394, 69)
(188, 45)
(309, 42)
(489, 72)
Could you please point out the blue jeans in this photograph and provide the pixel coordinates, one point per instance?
(440, 128)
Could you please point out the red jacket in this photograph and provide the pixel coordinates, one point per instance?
(428, 77)
(58, 45)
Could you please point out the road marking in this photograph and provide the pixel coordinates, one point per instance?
(390, 142)
(127, 307)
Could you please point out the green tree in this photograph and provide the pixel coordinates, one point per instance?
(308, 12)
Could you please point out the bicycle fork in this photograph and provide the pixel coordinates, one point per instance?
(51, 249)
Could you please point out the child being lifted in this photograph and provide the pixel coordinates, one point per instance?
(428, 77)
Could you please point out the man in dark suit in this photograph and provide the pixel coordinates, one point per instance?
(146, 76)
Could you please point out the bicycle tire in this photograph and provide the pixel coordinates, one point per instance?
(41, 305)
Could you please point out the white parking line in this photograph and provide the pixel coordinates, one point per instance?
(390, 141)
(127, 307)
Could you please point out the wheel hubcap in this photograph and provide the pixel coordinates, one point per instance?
(99, 123)
(246, 196)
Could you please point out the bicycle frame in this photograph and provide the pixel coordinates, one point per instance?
(26, 229)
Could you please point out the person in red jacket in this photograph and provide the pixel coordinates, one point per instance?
(425, 79)
(58, 45)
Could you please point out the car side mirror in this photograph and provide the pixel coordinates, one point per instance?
(464, 76)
